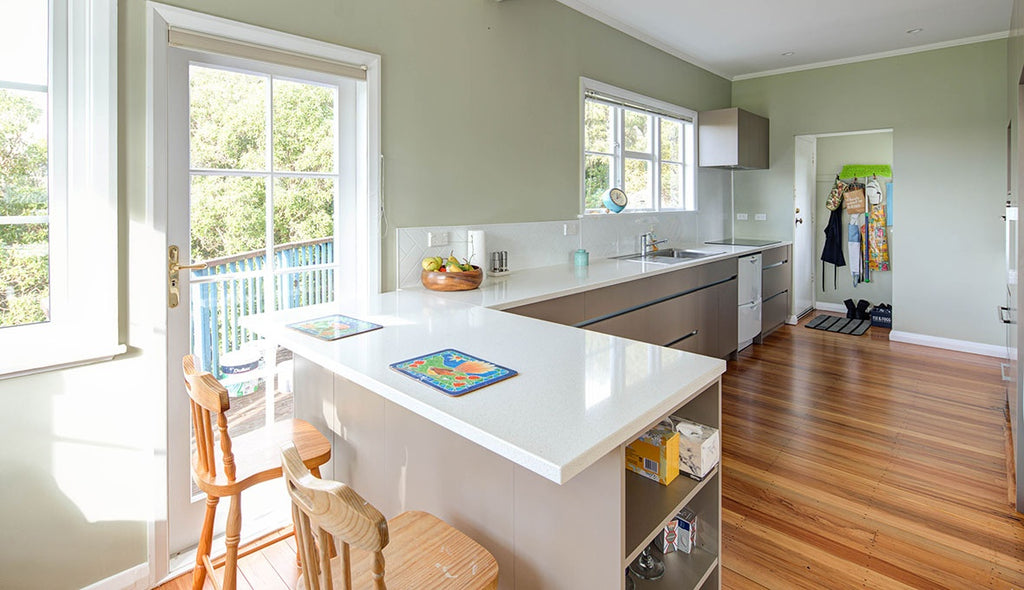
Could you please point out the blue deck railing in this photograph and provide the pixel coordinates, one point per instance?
(218, 306)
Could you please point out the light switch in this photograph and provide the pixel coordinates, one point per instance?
(741, 217)
(760, 217)
(570, 229)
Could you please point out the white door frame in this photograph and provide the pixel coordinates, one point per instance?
(815, 137)
(808, 216)
(149, 252)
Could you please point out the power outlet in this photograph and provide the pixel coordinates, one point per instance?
(437, 238)
(760, 217)
(570, 229)
(741, 217)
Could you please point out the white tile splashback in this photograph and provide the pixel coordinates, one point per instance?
(543, 243)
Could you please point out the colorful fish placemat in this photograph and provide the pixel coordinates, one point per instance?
(453, 372)
(334, 327)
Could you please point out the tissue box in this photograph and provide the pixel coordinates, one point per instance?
(700, 447)
(655, 455)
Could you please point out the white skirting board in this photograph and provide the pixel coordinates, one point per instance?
(136, 578)
(948, 343)
(836, 307)
(926, 340)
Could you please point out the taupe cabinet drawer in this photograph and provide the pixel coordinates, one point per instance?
(701, 321)
(774, 280)
(616, 298)
(566, 310)
(770, 257)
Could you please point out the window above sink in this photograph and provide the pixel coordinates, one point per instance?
(638, 144)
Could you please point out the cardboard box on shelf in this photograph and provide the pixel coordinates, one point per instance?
(686, 530)
(680, 534)
(655, 455)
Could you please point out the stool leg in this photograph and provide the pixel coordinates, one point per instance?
(332, 550)
(205, 540)
(232, 535)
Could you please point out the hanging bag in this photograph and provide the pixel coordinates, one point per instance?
(835, 197)
(853, 198)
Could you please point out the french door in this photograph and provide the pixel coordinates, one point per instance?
(261, 188)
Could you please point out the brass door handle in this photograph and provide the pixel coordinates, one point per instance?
(175, 267)
(173, 295)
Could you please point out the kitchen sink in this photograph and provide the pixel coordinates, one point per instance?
(668, 256)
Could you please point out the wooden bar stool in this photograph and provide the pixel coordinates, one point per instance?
(422, 551)
(256, 459)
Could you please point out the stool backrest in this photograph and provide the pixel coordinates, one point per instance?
(324, 510)
(208, 400)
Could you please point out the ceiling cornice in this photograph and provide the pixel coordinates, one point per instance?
(583, 8)
(873, 56)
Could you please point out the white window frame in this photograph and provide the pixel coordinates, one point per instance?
(82, 211)
(621, 99)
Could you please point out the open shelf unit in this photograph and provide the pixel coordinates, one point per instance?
(683, 571)
(649, 506)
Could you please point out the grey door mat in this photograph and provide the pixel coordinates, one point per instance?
(832, 323)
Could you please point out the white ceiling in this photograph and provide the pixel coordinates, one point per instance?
(738, 39)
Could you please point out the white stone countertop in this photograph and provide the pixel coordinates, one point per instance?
(578, 395)
(522, 287)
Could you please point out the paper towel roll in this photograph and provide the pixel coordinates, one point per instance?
(476, 252)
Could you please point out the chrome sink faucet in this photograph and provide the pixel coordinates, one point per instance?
(649, 243)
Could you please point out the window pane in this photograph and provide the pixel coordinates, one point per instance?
(671, 140)
(227, 112)
(303, 221)
(598, 179)
(598, 124)
(672, 186)
(228, 218)
(24, 204)
(304, 128)
(299, 289)
(637, 131)
(638, 184)
(24, 274)
(24, 32)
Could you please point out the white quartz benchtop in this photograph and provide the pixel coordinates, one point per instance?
(532, 285)
(578, 394)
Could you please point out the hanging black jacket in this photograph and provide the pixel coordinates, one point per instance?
(832, 253)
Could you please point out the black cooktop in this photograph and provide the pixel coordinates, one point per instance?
(744, 242)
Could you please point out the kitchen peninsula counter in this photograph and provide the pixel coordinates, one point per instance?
(532, 467)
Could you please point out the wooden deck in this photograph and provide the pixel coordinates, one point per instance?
(849, 462)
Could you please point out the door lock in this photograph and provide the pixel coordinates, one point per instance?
(799, 219)
(173, 296)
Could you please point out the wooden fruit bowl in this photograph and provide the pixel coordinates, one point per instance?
(452, 281)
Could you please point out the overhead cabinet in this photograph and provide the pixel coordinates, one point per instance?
(732, 138)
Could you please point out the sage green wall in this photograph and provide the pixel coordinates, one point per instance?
(948, 111)
(480, 125)
(832, 154)
(480, 98)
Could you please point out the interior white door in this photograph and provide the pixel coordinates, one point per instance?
(803, 230)
(260, 184)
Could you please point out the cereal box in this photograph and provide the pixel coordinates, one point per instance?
(655, 455)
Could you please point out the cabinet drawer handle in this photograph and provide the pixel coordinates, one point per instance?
(678, 340)
(776, 265)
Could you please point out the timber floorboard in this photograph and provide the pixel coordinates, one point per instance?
(856, 462)
(848, 462)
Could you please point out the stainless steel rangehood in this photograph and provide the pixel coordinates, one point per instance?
(732, 138)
